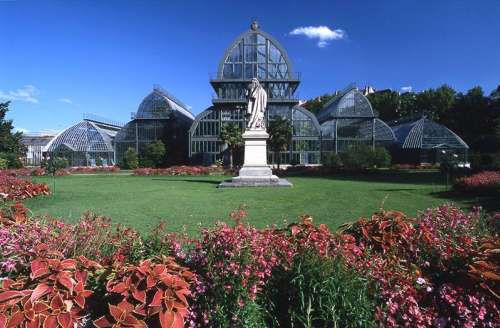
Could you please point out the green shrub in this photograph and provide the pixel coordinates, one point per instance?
(12, 160)
(153, 155)
(130, 159)
(333, 160)
(53, 164)
(3, 164)
(98, 161)
(364, 156)
(320, 292)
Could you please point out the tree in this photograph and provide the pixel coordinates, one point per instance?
(386, 103)
(130, 159)
(154, 154)
(315, 105)
(11, 147)
(435, 102)
(52, 165)
(230, 134)
(280, 133)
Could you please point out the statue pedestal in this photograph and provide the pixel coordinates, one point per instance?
(255, 171)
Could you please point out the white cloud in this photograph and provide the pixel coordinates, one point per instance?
(27, 93)
(65, 100)
(406, 89)
(323, 33)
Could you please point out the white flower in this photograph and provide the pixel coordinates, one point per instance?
(421, 281)
(429, 289)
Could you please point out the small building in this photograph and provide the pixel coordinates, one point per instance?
(35, 144)
(86, 143)
(160, 116)
(421, 140)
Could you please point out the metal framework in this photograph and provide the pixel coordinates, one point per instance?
(160, 116)
(84, 143)
(423, 140)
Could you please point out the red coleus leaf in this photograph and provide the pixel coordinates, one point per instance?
(150, 281)
(30, 315)
(157, 298)
(116, 312)
(102, 322)
(80, 301)
(65, 320)
(50, 322)
(64, 280)
(57, 302)
(170, 319)
(9, 295)
(16, 320)
(40, 307)
(3, 320)
(68, 264)
(39, 291)
(81, 276)
(119, 288)
(139, 295)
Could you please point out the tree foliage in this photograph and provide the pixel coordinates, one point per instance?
(280, 134)
(154, 154)
(316, 104)
(11, 147)
(231, 135)
(130, 159)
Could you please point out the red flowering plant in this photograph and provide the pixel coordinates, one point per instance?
(480, 183)
(53, 295)
(13, 188)
(153, 293)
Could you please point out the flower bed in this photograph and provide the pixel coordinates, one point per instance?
(479, 183)
(179, 170)
(440, 269)
(38, 171)
(13, 188)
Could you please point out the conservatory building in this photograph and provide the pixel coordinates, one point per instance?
(348, 119)
(254, 54)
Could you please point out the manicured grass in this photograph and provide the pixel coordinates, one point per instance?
(195, 201)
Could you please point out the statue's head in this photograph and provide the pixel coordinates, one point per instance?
(255, 83)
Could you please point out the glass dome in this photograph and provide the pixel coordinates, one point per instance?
(348, 104)
(255, 54)
(426, 134)
(83, 143)
(159, 104)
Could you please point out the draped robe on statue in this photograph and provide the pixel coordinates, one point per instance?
(257, 102)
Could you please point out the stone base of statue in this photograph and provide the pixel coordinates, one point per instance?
(255, 171)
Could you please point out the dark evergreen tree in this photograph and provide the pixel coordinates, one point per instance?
(11, 147)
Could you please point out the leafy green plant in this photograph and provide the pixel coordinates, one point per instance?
(320, 292)
(230, 134)
(333, 161)
(3, 164)
(130, 159)
(280, 134)
(153, 155)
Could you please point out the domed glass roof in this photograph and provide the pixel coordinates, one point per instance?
(426, 134)
(159, 104)
(84, 136)
(255, 54)
(350, 103)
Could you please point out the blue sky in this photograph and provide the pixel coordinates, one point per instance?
(62, 58)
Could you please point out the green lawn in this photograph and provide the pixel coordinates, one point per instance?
(195, 201)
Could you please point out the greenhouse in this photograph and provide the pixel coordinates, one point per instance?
(421, 140)
(254, 54)
(87, 143)
(348, 119)
(160, 116)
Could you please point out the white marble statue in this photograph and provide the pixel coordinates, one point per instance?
(257, 103)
